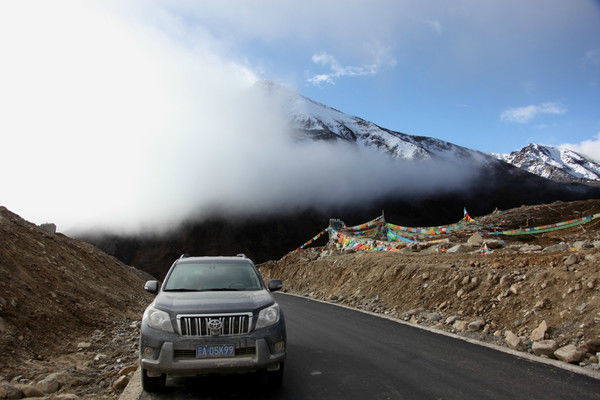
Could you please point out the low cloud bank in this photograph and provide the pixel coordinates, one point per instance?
(114, 124)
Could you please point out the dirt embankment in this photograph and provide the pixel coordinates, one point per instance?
(501, 297)
(63, 302)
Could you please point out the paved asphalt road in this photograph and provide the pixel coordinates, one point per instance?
(336, 353)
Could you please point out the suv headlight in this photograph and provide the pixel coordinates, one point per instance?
(157, 319)
(268, 316)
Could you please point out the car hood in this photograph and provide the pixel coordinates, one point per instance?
(212, 302)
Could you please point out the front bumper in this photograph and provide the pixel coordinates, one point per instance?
(168, 346)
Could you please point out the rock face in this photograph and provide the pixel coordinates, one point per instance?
(569, 353)
(513, 340)
(544, 347)
(539, 332)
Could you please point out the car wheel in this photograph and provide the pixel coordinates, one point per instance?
(275, 378)
(153, 384)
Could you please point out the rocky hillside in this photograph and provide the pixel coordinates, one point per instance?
(539, 294)
(558, 164)
(65, 310)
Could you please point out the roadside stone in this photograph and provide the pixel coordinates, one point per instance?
(569, 353)
(570, 260)
(557, 247)
(582, 244)
(460, 292)
(476, 240)
(67, 396)
(593, 359)
(83, 345)
(539, 332)
(8, 391)
(433, 316)
(513, 340)
(459, 248)
(498, 333)
(460, 325)
(514, 289)
(452, 319)
(48, 385)
(127, 370)
(120, 383)
(591, 346)
(476, 325)
(494, 243)
(31, 391)
(530, 247)
(544, 347)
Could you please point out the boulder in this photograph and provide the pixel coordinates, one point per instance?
(476, 325)
(582, 244)
(48, 385)
(530, 247)
(494, 243)
(460, 325)
(572, 259)
(591, 346)
(476, 240)
(67, 396)
(83, 345)
(569, 353)
(513, 340)
(433, 316)
(452, 319)
(50, 228)
(557, 247)
(539, 332)
(544, 347)
(459, 248)
(8, 391)
(31, 391)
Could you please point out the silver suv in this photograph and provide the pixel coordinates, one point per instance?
(212, 315)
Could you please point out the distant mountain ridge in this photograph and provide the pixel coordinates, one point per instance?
(557, 164)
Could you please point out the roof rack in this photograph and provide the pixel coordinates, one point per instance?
(241, 255)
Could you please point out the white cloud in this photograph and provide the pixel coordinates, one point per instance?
(590, 148)
(435, 25)
(526, 114)
(337, 70)
(127, 119)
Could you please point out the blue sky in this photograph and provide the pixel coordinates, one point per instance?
(443, 69)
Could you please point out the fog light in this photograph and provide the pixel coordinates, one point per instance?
(148, 352)
(279, 347)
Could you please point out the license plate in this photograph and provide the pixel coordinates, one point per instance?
(215, 351)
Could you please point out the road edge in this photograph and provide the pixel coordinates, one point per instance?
(526, 356)
(133, 390)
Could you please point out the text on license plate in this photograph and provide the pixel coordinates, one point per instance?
(215, 350)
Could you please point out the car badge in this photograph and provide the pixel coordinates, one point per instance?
(215, 326)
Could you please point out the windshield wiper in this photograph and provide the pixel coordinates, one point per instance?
(181, 290)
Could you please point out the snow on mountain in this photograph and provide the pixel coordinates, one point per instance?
(554, 163)
(316, 121)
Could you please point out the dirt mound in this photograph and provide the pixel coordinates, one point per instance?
(514, 289)
(55, 291)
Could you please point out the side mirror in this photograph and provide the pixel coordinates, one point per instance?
(151, 286)
(275, 285)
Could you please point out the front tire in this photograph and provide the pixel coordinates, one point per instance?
(153, 384)
(275, 378)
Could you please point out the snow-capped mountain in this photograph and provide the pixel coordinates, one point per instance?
(316, 121)
(558, 164)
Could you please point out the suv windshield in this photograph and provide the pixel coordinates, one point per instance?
(212, 277)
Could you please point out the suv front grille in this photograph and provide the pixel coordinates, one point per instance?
(198, 325)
